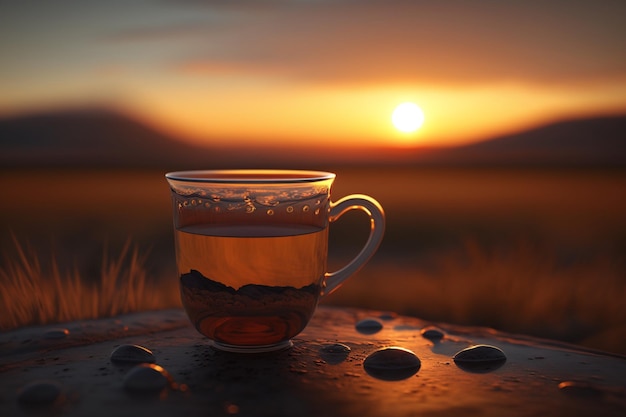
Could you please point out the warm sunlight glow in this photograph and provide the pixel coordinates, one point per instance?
(407, 117)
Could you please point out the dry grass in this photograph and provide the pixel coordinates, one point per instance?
(33, 294)
(520, 289)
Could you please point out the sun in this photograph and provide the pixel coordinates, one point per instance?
(407, 117)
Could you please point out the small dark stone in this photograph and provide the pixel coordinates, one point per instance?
(336, 348)
(40, 393)
(388, 316)
(369, 326)
(432, 333)
(335, 353)
(146, 378)
(480, 358)
(580, 389)
(56, 333)
(132, 354)
(392, 364)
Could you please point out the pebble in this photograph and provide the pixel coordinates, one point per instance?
(336, 348)
(132, 354)
(146, 378)
(392, 364)
(56, 333)
(335, 353)
(432, 333)
(369, 326)
(480, 358)
(388, 316)
(580, 389)
(40, 393)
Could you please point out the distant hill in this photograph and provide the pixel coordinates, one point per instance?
(599, 141)
(104, 138)
(89, 138)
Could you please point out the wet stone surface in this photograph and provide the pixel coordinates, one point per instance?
(331, 370)
(480, 358)
(392, 364)
(369, 326)
(132, 354)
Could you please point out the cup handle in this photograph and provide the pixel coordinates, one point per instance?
(377, 229)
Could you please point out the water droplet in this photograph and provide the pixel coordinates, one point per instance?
(146, 378)
(432, 333)
(480, 358)
(58, 333)
(41, 393)
(369, 326)
(392, 364)
(132, 354)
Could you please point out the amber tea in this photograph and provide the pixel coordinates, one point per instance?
(251, 285)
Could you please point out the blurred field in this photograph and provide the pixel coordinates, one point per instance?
(540, 252)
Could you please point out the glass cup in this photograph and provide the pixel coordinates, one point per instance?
(251, 250)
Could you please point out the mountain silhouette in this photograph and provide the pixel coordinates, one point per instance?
(103, 138)
(594, 141)
(89, 138)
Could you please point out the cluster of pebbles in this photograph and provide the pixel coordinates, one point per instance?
(396, 363)
(390, 363)
(144, 376)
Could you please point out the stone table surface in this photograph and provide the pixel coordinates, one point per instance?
(71, 366)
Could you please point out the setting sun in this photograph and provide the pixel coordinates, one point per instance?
(407, 117)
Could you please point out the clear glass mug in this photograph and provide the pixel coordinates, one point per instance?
(251, 251)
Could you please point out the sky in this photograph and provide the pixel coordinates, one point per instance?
(320, 72)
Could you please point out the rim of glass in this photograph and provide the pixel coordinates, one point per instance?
(242, 176)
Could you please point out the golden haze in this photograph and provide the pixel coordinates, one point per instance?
(361, 116)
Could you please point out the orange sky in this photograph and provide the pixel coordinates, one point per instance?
(319, 71)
